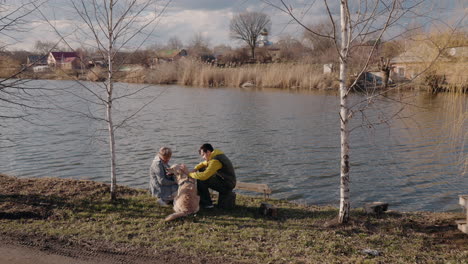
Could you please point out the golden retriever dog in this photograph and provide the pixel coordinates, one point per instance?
(187, 200)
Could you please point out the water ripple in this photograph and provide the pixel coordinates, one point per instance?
(288, 141)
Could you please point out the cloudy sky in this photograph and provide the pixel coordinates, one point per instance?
(185, 18)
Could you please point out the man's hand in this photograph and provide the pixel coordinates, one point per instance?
(184, 169)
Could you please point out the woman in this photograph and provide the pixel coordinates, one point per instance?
(162, 186)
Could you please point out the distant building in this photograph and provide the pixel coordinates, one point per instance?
(64, 60)
(96, 61)
(169, 56)
(263, 39)
(38, 63)
(36, 60)
(406, 65)
(412, 62)
(40, 68)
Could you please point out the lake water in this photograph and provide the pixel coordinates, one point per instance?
(288, 140)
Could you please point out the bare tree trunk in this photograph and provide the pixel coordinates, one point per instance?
(385, 68)
(344, 109)
(111, 144)
(110, 87)
(252, 52)
(386, 78)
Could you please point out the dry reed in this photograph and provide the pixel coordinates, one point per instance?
(96, 74)
(283, 76)
(8, 67)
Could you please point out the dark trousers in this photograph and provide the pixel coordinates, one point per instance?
(216, 183)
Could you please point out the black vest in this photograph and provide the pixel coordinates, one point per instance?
(227, 171)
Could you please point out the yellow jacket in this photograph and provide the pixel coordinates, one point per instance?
(211, 167)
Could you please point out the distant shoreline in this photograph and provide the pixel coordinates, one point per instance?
(195, 73)
(284, 76)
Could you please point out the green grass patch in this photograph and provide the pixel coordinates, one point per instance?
(80, 213)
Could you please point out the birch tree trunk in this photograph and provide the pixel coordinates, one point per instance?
(111, 142)
(343, 216)
(110, 87)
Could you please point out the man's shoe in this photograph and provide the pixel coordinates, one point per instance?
(162, 203)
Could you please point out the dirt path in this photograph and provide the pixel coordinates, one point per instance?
(42, 250)
(34, 250)
(20, 254)
(13, 254)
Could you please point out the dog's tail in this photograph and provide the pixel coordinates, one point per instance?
(175, 216)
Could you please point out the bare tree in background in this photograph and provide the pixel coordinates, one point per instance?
(17, 99)
(247, 27)
(13, 20)
(199, 45)
(322, 48)
(291, 49)
(360, 21)
(44, 47)
(318, 43)
(174, 43)
(114, 26)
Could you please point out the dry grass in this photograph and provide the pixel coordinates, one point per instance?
(162, 74)
(434, 50)
(456, 74)
(132, 77)
(8, 67)
(60, 74)
(96, 74)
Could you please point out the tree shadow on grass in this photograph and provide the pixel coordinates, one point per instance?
(435, 230)
(34, 206)
(18, 206)
(251, 216)
(440, 231)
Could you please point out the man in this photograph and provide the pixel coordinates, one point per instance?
(216, 173)
(162, 185)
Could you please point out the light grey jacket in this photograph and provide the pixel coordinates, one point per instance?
(161, 185)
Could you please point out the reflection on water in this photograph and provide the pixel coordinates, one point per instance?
(287, 140)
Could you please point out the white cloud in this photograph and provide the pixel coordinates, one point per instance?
(183, 18)
(213, 24)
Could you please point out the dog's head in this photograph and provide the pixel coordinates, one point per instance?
(180, 172)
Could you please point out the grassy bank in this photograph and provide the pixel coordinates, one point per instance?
(79, 214)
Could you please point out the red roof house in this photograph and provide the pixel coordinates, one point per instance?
(64, 60)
